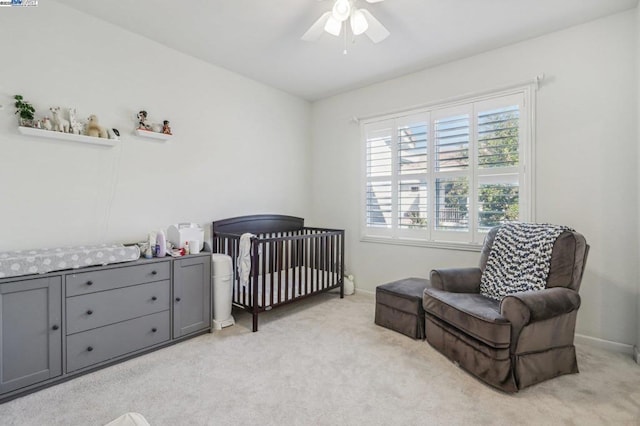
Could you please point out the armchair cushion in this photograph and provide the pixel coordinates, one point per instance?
(519, 259)
(472, 313)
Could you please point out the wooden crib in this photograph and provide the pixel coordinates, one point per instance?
(289, 262)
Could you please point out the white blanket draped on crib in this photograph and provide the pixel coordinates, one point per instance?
(244, 258)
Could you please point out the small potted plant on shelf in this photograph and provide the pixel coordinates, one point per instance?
(25, 110)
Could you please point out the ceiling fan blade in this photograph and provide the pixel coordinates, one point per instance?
(333, 26)
(316, 30)
(376, 31)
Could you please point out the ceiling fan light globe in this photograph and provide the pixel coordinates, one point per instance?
(359, 23)
(341, 10)
(333, 26)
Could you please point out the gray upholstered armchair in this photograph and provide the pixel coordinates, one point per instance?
(522, 339)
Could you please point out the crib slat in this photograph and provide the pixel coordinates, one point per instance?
(316, 286)
(265, 254)
(308, 271)
(331, 261)
(273, 266)
(322, 260)
(300, 252)
(335, 260)
(325, 269)
(287, 261)
(253, 279)
(307, 283)
(276, 269)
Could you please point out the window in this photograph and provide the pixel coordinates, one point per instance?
(448, 173)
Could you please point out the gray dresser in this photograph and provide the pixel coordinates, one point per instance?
(66, 323)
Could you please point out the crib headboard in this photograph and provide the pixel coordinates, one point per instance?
(258, 224)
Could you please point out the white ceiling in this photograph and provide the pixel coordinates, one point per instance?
(261, 38)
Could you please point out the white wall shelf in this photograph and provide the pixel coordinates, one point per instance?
(153, 135)
(50, 134)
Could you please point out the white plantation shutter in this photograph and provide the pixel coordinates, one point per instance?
(447, 173)
(412, 166)
(379, 176)
(500, 168)
(452, 138)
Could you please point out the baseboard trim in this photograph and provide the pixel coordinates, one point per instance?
(363, 291)
(606, 344)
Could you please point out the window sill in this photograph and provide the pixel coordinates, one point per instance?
(445, 245)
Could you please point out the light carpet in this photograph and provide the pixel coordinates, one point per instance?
(324, 362)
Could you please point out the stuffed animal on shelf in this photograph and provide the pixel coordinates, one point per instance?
(46, 123)
(75, 126)
(144, 124)
(94, 129)
(60, 124)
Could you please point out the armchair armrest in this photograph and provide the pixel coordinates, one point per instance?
(457, 280)
(531, 306)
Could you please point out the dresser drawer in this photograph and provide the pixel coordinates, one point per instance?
(107, 307)
(101, 344)
(107, 279)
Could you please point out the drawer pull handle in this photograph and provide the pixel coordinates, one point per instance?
(89, 312)
(55, 327)
(154, 272)
(177, 299)
(90, 348)
(154, 298)
(89, 282)
(154, 329)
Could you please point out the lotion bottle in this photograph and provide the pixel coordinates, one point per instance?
(148, 253)
(161, 243)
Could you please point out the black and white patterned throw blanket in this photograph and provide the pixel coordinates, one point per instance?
(519, 259)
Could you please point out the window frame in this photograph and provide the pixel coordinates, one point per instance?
(473, 238)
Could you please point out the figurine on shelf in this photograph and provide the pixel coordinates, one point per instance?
(94, 129)
(144, 124)
(60, 124)
(75, 126)
(46, 123)
(142, 120)
(165, 127)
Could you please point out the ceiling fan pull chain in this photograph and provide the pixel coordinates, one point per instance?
(345, 37)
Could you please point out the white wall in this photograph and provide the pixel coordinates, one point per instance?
(586, 159)
(240, 147)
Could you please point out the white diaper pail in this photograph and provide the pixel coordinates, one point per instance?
(222, 280)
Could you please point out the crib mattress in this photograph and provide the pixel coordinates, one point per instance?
(40, 261)
(295, 286)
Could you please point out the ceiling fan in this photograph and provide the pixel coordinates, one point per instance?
(360, 21)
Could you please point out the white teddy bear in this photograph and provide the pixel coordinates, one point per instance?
(60, 124)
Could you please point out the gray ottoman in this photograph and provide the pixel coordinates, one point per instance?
(399, 306)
